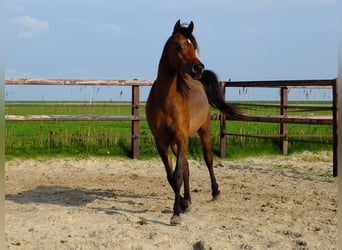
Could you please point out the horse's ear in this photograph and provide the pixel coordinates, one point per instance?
(177, 27)
(191, 27)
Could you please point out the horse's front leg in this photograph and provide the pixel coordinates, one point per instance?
(176, 185)
(180, 203)
(186, 201)
(163, 150)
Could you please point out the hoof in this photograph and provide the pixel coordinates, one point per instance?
(216, 196)
(175, 220)
(188, 208)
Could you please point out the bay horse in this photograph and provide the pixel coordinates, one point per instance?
(179, 106)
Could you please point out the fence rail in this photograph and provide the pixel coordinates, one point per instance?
(283, 118)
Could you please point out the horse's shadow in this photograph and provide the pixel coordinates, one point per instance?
(69, 197)
(119, 202)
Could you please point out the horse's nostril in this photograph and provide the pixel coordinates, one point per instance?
(197, 68)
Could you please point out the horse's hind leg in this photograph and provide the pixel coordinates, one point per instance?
(204, 134)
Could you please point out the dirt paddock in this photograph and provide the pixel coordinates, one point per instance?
(108, 203)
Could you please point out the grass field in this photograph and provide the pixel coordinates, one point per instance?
(112, 138)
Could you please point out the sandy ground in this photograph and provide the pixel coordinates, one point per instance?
(106, 203)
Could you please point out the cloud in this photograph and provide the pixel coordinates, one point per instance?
(106, 27)
(30, 26)
(11, 72)
(93, 26)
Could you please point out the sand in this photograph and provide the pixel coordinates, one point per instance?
(278, 202)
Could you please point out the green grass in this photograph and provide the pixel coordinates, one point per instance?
(112, 138)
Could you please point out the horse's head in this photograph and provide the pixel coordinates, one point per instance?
(181, 49)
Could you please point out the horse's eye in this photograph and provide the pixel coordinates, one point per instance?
(179, 47)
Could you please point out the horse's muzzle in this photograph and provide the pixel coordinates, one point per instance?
(197, 71)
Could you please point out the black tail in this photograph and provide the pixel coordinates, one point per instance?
(215, 96)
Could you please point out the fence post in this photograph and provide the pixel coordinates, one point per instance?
(135, 122)
(335, 126)
(223, 124)
(284, 101)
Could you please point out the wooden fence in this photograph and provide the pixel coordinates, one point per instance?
(283, 119)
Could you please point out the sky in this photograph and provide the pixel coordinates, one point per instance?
(103, 39)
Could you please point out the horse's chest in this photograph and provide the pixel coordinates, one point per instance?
(186, 119)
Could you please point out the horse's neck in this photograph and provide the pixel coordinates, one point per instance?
(166, 83)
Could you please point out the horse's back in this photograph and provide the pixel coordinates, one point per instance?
(199, 109)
